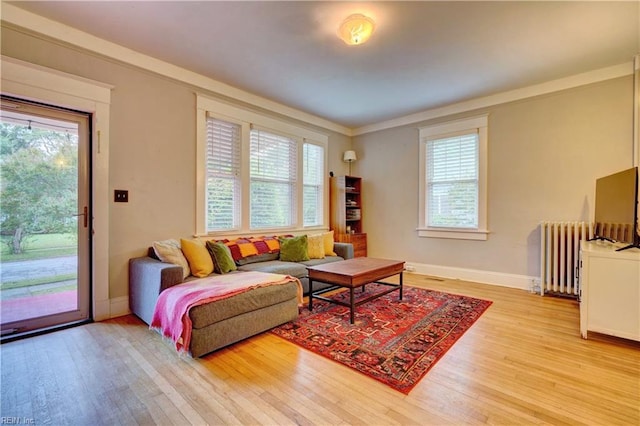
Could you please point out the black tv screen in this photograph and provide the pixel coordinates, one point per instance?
(616, 209)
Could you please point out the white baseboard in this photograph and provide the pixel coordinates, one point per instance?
(119, 306)
(522, 282)
(101, 310)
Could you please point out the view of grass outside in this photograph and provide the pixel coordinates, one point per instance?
(39, 246)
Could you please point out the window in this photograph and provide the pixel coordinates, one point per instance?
(453, 158)
(223, 175)
(274, 160)
(452, 181)
(313, 182)
(257, 173)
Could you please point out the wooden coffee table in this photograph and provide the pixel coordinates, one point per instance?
(351, 274)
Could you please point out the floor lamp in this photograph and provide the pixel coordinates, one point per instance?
(349, 157)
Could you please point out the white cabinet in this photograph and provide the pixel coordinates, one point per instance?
(609, 290)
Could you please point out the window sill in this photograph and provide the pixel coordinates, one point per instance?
(240, 233)
(452, 233)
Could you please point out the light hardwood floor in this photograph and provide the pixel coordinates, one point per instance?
(523, 362)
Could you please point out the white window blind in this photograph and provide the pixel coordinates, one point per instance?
(452, 181)
(252, 173)
(223, 175)
(273, 165)
(313, 184)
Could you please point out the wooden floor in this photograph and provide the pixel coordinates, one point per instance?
(523, 362)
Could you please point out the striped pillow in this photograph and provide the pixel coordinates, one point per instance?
(243, 248)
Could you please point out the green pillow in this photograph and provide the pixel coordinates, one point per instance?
(294, 249)
(221, 255)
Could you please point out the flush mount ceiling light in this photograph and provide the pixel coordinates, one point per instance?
(356, 29)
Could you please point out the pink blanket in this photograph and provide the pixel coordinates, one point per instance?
(171, 315)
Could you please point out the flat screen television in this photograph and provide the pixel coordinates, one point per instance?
(616, 212)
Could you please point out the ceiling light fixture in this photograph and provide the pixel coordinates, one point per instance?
(356, 29)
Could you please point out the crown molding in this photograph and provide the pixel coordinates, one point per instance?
(577, 80)
(38, 24)
(56, 30)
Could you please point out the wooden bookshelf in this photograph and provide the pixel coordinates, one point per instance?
(346, 213)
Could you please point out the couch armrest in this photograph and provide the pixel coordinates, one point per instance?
(344, 250)
(147, 279)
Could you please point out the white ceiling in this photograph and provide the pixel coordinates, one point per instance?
(422, 55)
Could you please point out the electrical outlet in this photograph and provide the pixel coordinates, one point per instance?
(409, 268)
(121, 196)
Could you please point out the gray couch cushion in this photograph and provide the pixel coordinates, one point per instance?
(223, 333)
(277, 267)
(209, 313)
(258, 258)
(327, 259)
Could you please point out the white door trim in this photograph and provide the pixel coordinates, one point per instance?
(33, 82)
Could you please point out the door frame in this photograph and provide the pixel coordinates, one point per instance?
(40, 84)
(40, 114)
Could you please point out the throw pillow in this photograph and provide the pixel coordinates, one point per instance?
(221, 255)
(245, 248)
(315, 246)
(198, 256)
(169, 251)
(294, 249)
(328, 244)
(272, 244)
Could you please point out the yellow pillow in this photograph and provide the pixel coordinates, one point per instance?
(198, 257)
(315, 246)
(328, 244)
(169, 251)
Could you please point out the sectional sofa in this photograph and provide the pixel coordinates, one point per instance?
(229, 320)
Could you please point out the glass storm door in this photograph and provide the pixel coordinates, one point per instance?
(45, 225)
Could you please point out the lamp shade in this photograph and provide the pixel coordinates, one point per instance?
(349, 156)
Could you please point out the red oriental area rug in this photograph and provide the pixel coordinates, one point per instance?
(395, 342)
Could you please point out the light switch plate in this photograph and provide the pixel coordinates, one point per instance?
(121, 196)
